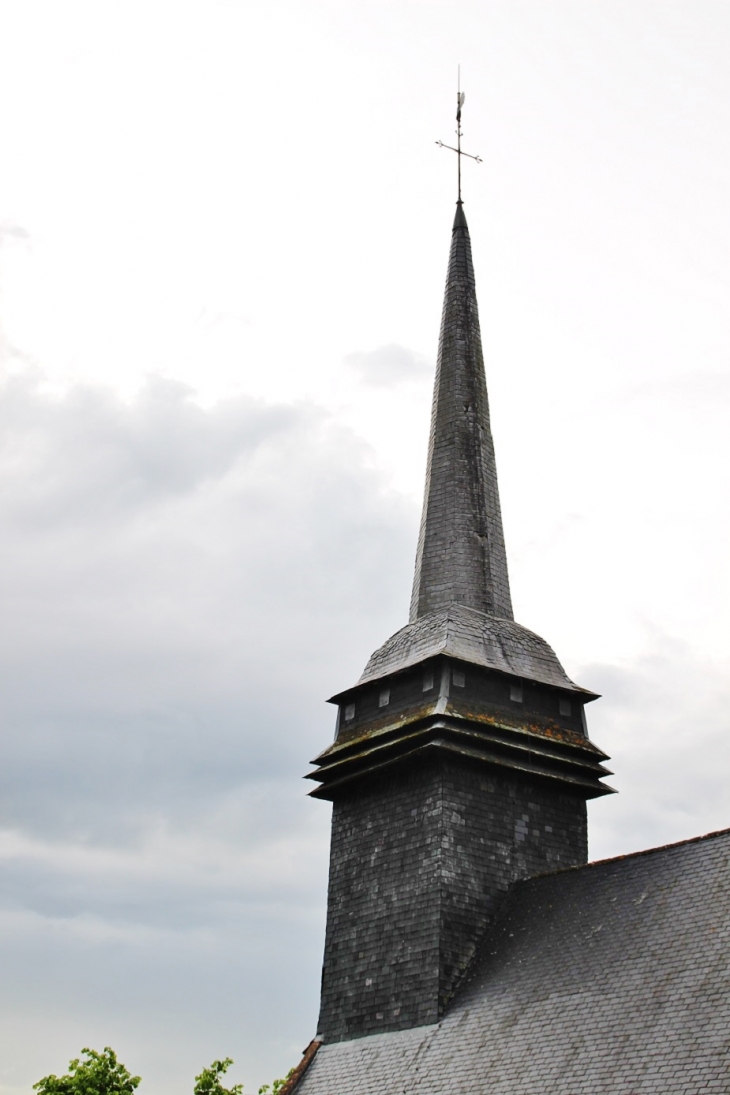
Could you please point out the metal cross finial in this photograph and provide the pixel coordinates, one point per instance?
(460, 96)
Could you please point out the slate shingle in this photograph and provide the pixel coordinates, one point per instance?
(461, 555)
(607, 979)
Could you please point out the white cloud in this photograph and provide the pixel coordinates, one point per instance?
(389, 365)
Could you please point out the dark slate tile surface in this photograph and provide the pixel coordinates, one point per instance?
(461, 555)
(607, 979)
(417, 864)
(471, 636)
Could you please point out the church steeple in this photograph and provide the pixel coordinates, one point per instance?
(461, 760)
(461, 557)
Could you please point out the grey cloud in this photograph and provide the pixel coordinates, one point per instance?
(665, 720)
(87, 454)
(176, 579)
(389, 365)
(182, 588)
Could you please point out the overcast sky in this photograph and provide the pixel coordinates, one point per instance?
(224, 228)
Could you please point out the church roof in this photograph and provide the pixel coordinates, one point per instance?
(461, 555)
(473, 637)
(611, 978)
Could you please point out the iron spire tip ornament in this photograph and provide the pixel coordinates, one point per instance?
(460, 96)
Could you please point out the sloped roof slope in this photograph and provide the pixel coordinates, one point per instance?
(473, 637)
(613, 978)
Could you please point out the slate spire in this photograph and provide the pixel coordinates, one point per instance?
(461, 761)
(461, 556)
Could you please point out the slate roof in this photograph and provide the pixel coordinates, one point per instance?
(473, 637)
(461, 555)
(607, 979)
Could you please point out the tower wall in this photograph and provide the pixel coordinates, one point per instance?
(418, 861)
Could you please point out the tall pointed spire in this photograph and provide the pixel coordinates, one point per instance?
(461, 556)
(461, 761)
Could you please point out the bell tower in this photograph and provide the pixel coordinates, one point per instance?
(461, 761)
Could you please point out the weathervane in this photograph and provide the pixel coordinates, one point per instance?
(460, 96)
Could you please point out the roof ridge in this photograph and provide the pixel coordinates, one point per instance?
(627, 855)
(473, 966)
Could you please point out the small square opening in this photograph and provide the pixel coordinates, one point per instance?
(384, 698)
(566, 708)
(349, 712)
(459, 678)
(428, 680)
(515, 692)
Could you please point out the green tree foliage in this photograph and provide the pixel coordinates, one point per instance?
(98, 1074)
(209, 1080)
(275, 1088)
(103, 1074)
